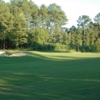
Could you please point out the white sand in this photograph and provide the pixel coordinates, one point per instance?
(19, 54)
(2, 52)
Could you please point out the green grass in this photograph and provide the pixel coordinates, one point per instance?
(50, 76)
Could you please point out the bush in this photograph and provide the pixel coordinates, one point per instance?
(97, 46)
(61, 47)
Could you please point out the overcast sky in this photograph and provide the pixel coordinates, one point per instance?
(74, 8)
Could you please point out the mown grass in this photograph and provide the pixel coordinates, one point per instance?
(50, 76)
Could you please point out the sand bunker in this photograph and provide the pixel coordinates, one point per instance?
(2, 52)
(19, 54)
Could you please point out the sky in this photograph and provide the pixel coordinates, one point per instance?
(74, 8)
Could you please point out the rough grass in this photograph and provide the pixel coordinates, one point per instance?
(50, 76)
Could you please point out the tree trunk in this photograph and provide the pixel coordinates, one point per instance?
(78, 48)
(4, 44)
(84, 34)
(1, 44)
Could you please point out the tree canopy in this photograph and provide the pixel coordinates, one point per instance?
(25, 25)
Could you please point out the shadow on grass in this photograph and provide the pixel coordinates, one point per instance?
(53, 57)
(38, 77)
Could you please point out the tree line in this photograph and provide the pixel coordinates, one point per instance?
(24, 25)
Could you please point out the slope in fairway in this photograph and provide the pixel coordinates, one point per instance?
(50, 76)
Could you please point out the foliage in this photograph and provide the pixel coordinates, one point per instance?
(97, 46)
(25, 25)
(61, 47)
